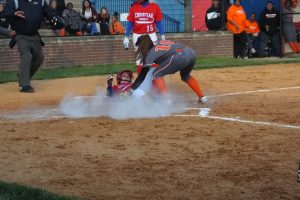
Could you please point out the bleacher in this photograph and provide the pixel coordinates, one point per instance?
(173, 18)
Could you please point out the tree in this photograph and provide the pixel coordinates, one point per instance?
(187, 16)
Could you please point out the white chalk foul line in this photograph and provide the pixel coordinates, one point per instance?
(253, 122)
(204, 113)
(256, 91)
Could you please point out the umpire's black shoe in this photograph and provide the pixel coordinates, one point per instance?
(27, 89)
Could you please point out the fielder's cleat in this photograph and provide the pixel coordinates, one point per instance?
(203, 100)
(27, 89)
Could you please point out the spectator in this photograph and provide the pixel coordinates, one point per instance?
(53, 8)
(236, 20)
(289, 30)
(68, 10)
(61, 6)
(103, 19)
(72, 20)
(214, 17)
(269, 24)
(89, 17)
(252, 30)
(3, 20)
(116, 28)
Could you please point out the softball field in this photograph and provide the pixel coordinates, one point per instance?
(243, 144)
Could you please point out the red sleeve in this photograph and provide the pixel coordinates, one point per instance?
(115, 88)
(158, 14)
(131, 17)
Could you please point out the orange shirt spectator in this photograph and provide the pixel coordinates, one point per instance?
(252, 27)
(116, 28)
(236, 19)
(252, 30)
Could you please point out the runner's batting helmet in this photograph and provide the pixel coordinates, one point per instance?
(125, 75)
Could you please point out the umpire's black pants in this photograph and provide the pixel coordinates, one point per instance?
(264, 39)
(240, 42)
(31, 57)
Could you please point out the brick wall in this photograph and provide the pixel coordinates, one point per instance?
(75, 51)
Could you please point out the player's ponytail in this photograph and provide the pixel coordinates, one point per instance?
(144, 44)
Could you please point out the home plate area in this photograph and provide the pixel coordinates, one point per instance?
(99, 106)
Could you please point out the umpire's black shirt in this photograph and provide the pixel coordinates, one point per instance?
(35, 11)
(271, 19)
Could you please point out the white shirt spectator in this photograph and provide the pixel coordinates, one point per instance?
(88, 14)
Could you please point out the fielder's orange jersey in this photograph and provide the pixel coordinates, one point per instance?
(144, 17)
(236, 14)
(252, 27)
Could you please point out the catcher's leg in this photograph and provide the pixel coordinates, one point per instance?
(194, 86)
(160, 84)
(190, 80)
(167, 67)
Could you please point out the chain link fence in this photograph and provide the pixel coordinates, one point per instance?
(290, 25)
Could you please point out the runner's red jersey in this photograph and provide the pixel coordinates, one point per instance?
(145, 18)
(120, 88)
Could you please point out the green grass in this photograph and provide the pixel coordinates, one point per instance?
(13, 191)
(222, 62)
(202, 63)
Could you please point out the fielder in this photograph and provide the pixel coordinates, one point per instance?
(144, 17)
(166, 57)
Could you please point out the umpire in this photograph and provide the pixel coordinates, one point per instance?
(26, 17)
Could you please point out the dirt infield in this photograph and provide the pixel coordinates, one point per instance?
(247, 148)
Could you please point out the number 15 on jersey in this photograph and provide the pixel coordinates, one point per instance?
(150, 28)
